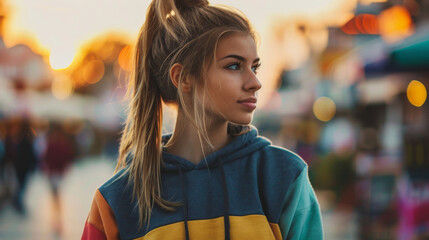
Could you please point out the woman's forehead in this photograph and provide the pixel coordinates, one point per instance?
(241, 44)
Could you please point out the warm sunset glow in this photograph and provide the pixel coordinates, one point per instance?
(61, 58)
(324, 109)
(58, 26)
(416, 93)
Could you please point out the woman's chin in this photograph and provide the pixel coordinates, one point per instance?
(243, 121)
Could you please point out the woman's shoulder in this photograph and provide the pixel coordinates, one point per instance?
(115, 186)
(282, 159)
(273, 154)
(278, 154)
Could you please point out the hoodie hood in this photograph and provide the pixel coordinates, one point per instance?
(240, 146)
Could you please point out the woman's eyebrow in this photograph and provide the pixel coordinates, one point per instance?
(238, 57)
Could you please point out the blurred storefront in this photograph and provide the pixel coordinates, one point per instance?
(357, 116)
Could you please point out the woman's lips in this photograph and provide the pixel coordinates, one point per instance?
(249, 103)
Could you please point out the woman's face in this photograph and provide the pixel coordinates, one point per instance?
(231, 81)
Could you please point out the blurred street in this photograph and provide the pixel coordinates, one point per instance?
(78, 187)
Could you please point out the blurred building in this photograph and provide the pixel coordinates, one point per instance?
(21, 72)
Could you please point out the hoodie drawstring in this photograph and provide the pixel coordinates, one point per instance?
(185, 202)
(225, 201)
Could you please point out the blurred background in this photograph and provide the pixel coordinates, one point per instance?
(344, 86)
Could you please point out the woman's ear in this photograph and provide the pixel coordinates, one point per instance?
(175, 74)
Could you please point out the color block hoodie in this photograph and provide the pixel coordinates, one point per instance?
(248, 189)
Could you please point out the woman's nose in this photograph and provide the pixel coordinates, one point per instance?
(252, 82)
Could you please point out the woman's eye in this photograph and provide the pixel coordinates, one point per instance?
(235, 66)
(255, 68)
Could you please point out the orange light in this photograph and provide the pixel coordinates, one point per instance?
(395, 23)
(93, 71)
(350, 28)
(361, 24)
(124, 58)
(370, 24)
(416, 93)
(324, 109)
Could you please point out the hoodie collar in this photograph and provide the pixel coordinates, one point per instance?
(240, 146)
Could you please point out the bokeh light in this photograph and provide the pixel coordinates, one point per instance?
(62, 87)
(362, 24)
(93, 71)
(416, 93)
(395, 23)
(124, 58)
(324, 109)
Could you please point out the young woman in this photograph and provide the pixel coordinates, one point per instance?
(213, 177)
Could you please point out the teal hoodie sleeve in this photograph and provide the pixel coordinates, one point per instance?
(300, 217)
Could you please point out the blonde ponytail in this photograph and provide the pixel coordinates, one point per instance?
(175, 31)
(142, 132)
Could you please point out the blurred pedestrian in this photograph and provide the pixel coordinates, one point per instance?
(58, 157)
(213, 177)
(20, 153)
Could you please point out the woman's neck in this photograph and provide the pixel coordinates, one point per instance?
(185, 141)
